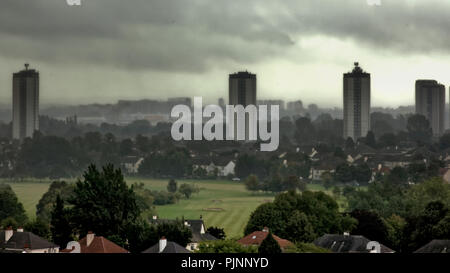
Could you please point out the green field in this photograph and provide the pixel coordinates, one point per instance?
(222, 203)
(231, 198)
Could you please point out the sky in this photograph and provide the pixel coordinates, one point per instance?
(106, 50)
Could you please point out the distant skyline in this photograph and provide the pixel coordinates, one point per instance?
(108, 50)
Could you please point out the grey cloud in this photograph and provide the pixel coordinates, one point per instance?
(195, 35)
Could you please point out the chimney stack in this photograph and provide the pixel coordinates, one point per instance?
(89, 238)
(8, 233)
(265, 229)
(162, 244)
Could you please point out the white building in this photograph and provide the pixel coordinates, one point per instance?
(25, 103)
(356, 103)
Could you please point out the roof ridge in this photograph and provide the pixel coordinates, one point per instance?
(103, 243)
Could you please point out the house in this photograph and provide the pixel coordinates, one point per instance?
(347, 243)
(132, 164)
(197, 228)
(228, 169)
(94, 244)
(199, 233)
(164, 246)
(435, 246)
(256, 238)
(24, 242)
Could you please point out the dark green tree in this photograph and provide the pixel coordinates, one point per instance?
(370, 225)
(47, 201)
(187, 190)
(39, 227)
(370, 140)
(252, 183)
(343, 173)
(419, 129)
(60, 227)
(172, 186)
(217, 232)
(103, 203)
(269, 246)
(10, 207)
(362, 173)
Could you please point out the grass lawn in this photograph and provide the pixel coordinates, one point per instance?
(29, 195)
(222, 203)
(233, 201)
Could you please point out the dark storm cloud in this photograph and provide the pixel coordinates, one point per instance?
(195, 35)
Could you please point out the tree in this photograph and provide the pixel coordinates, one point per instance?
(10, 207)
(305, 131)
(47, 201)
(225, 246)
(395, 225)
(327, 179)
(291, 182)
(299, 228)
(39, 227)
(251, 183)
(362, 173)
(420, 195)
(444, 141)
(419, 129)
(321, 210)
(172, 186)
(217, 232)
(269, 246)
(398, 176)
(370, 225)
(301, 247)
(103, 203)
(370, 140)
(388, 140)
(432, 223)
(60, 227)
(336, 191)
(344, 173)
(173, 231)
(187, 190)
(349, 144)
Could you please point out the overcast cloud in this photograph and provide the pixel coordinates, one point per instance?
(111, 49)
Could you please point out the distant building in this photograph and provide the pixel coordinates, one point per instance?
(280, 103)
(296, 107)
(356, 103)
(242, 91)
(180, 100)
(430, 102)
(25, 103)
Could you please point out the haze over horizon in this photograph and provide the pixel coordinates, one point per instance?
(105, 50)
